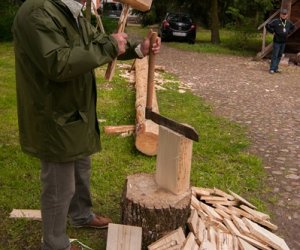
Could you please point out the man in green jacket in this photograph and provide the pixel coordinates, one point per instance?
(56, 52)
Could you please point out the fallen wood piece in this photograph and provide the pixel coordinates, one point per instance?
(146, 139)
(222, 213)
(266, 236)
(30, 214)
(193, 222)
(245, 214)
(119, 129)
(232, 228)
(241, 199)
(212, 234)
(244, 245)
(213, 198)
(172, 240)
(122, 237)
(207, 245)
(217, 225)
(255, 213)
(240, 225)
(210, 211)
(202, 233)
(255, 242)
(158, 211)
(223, 194)
(223, 203)
(190, 243)
(200, 191)
(235, 243)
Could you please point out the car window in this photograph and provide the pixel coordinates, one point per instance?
(178, 18)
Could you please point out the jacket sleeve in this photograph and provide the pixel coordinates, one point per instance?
(271, 26)
(49, 50)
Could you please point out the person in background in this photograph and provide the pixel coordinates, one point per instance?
(281, 28)
(56, 52)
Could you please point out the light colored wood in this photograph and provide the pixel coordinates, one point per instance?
(119, 129)
(201, 232)
(146, 139)
(174, 158)
(190, 243)
(172, 240)
(242, 200)
(193, 222)
(240, 225)
(121, 27)
(244, 245)
(226, 203)
(201, 191)
(268, 237)
(210, 211)
(235, 243)
(232, 228)
(207, 245)
(255, 242)
(222, 213)
(217, 225)
(212, 236)
(255, 213)
(221, 193)
(213, 198)
(141, 5)
(30, 214)
(122, 237)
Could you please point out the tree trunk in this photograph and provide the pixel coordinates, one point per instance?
(215, 24)
(146, 130)
(157, 211)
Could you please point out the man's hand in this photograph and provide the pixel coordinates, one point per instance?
(145, 45)
(121, 38)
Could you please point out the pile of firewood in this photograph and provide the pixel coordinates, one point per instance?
(222, 221)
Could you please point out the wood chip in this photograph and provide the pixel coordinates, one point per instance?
(266, 236)
(30, 214)
(223, 194)
(244, 245)
(242, 200)
(255, 213)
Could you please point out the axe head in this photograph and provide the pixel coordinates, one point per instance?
(187, 131)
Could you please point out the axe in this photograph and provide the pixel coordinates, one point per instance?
(187, 131)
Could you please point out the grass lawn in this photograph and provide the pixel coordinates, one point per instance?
(219, 159)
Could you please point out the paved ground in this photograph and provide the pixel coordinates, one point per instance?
(244, 91)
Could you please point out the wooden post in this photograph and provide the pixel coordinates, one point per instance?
(146, 130)
(174, 158)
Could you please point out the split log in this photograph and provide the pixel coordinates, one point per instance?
(146, 130)
(119, 129)
(158, 212)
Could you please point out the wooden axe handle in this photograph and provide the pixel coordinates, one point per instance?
(151, 69)
(121, 27)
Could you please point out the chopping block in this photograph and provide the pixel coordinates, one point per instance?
(141, 5)
(173, 164)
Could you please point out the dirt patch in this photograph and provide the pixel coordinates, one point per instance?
(269, 105)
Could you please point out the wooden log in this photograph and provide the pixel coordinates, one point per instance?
(146, 130)
(173, 240)
(122, 237)
(158, 212)
(174, 159)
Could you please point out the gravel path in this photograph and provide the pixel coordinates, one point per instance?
(243, 91)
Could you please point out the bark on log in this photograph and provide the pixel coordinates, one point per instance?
(157, 211)
(146, 131)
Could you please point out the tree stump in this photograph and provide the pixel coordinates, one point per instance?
(157, 211)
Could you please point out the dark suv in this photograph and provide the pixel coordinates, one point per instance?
(177, 26)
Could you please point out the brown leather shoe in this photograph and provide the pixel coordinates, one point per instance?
(74, 246)
(97, 222)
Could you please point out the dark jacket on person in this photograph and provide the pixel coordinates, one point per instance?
(281, 29)
(56, 86)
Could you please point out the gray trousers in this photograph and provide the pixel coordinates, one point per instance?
(65, 192)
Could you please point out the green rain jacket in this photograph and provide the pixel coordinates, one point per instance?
(56, 87)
